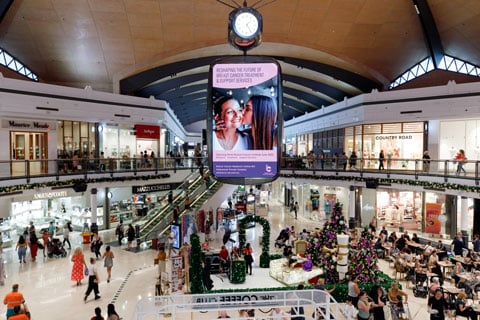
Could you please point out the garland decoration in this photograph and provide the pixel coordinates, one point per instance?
(265, 255)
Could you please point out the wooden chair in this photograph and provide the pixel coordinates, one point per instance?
(400, 269)
(301, 247)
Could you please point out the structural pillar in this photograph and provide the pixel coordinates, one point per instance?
(464, 223)
(352, 222)
(476, 216)
(93, 205)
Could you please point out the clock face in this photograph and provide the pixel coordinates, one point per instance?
(246, 24)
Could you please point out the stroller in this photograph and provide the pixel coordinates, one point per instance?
(55, 249)
(399, 310)
(420, 285)
(282, 238)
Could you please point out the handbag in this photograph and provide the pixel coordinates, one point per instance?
(86, 271)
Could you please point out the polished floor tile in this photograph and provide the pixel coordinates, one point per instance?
(50, 294)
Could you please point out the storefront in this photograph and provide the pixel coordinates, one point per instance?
(400, 142)
(315, 201)
(29, 141)
(456, 135)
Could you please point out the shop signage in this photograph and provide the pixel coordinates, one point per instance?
(208, 301)
(154, 187)
(395, 137)
(35, 125)
(147, 132)
(50, 195)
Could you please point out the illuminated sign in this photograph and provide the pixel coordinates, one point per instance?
(244, 119)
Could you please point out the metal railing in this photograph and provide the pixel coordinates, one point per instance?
(84, 168)
(183, 306)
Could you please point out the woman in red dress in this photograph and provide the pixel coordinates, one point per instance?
(78, 266)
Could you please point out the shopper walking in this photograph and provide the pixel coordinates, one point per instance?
(79, 264)
(33, 241)
(460, 158)
(14, 299)
(426, 161)
(98, 314)
(130, 236)
(248, 256)
(108, 262)
(67, 228)
(295, 209)
(93, 280)
(46, 240)
(97, 243)
(111, 313)
(120, 232)
(381, 160)
(21, 249)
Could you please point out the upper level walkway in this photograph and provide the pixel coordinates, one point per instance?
(411, 174)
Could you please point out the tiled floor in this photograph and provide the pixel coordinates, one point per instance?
(50, 294)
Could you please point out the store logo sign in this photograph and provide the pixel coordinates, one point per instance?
(50, 195)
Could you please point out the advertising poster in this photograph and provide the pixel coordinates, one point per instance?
(243, 124)
(433, 211)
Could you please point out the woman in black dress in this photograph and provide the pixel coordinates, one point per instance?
(378, 302)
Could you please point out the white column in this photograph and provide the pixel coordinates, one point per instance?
(93, 204)
(351, 202)
(464, 223)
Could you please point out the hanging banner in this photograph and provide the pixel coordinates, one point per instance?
(432, 224)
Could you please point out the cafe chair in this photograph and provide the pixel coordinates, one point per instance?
(300, 247)
(400, 269)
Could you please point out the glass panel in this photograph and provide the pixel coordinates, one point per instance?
(372, 128)
(392, 128)
(413, 127)
(76, 136)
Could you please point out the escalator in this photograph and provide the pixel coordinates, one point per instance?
(160, 218)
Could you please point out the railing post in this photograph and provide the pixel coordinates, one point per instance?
(416, 169)
(27, 170)
(476, 172)
(445, 171)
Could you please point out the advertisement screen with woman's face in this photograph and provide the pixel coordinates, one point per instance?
(243, 123)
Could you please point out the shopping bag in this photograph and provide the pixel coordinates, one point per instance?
(86, 271)
(134, 243)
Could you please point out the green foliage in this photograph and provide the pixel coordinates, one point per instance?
(265, 256)
(238, 271)
(328, 240)
(196, 269)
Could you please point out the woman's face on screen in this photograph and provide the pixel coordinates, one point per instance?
(248, 113)
(231, 114)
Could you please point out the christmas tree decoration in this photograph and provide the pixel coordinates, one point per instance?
(196, 269)
(363, 259)
(323, 250)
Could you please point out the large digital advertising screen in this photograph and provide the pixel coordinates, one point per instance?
(244, 119)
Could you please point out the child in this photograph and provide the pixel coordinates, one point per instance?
(349, 310)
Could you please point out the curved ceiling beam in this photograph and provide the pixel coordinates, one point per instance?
(334, 93)
(356, 80)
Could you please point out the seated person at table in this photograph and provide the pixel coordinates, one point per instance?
(401, 242)
(384, 232)
(379, 247)
(428, 249)
(223, 255)
(471, 262)
(406, 236)
(415, 238)
(457, 269)
(462, 309)
(434, 267)
(392, 237)
(440, 246)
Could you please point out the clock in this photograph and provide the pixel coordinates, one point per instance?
(245, 28)
(246, 25)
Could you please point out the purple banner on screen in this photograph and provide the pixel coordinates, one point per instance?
(245, 170)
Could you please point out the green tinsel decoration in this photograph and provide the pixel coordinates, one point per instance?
(265, 255)
(238, 271)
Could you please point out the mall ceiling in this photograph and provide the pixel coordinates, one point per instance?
(328, 49)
